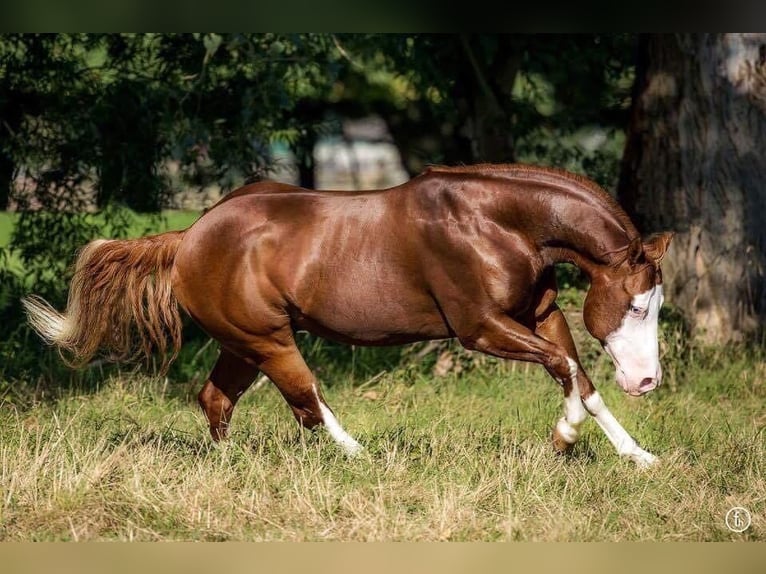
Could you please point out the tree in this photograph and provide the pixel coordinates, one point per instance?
(694, 163)
(467, 98)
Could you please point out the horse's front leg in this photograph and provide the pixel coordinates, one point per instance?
(552, 326)
(580, 396)
(550, 345)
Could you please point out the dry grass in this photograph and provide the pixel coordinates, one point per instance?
(459, 458)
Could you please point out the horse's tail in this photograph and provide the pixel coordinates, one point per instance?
(120, 300)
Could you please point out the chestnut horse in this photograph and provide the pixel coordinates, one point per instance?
(465, 252)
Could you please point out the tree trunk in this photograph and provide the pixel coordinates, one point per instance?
(482, 94)
(304, 158)
(7, 167)
(12, 115)
(694, 163)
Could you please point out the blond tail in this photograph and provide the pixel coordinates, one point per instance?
(120, 301)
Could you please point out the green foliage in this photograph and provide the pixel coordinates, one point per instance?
(111, 110)
(563, 100)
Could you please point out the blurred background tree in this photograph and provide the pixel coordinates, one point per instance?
(467, 98)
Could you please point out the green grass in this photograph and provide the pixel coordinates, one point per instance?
(461, 457)
(173, 220)
(6, 227)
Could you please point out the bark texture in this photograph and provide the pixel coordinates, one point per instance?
(695, 163)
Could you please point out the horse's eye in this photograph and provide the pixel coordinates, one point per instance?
(636, 311)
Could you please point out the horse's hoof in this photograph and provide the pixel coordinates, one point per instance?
(560, 445)
(352, 449)
(644, 459)
(219, 434)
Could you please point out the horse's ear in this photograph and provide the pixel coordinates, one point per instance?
(656, 245)
(635, 251)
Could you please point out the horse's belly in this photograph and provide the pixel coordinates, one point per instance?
(378, 323)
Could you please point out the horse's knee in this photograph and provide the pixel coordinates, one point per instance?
(562, 367)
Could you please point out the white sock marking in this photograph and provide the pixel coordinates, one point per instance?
(616, 434)
(340, 436)
(568, 426)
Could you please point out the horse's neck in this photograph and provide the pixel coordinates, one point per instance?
(570, 217)
(585, 245)
(586, 231)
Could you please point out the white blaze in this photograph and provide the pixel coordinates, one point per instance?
(634, 346)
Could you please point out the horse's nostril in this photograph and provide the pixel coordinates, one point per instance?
(648, 382)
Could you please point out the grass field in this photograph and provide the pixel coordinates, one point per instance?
(462, 457)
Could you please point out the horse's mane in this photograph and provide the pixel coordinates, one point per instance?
(557, 177)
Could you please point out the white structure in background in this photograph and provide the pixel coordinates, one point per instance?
(358, 165)
(363, 157)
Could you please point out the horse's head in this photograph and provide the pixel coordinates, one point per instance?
(621, 311)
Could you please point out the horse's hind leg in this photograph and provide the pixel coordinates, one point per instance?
(289, 372)
(231, 376)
